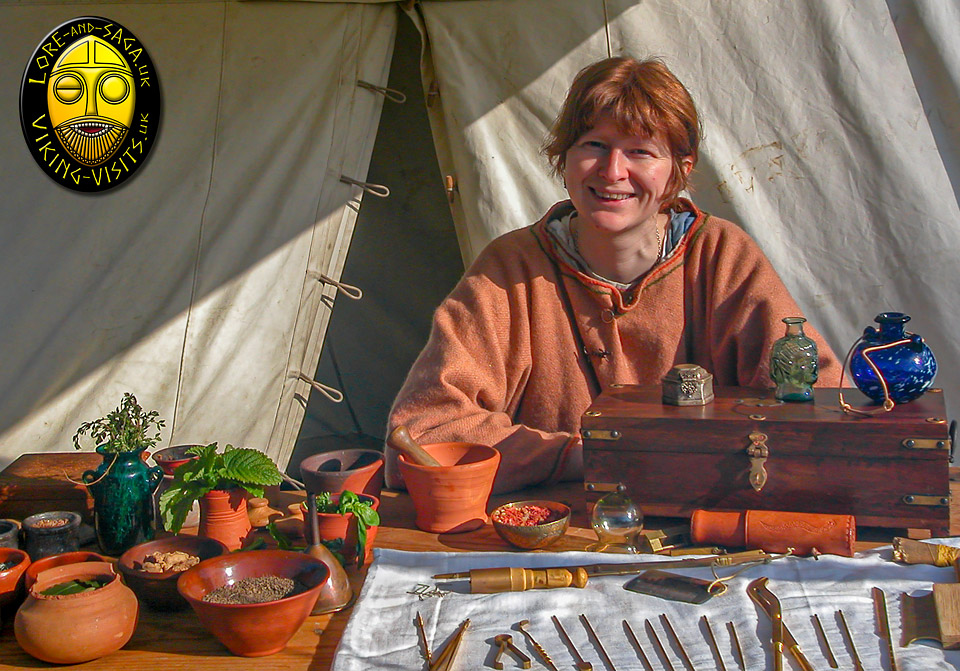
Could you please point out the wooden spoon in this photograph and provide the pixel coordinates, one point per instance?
(400, 440)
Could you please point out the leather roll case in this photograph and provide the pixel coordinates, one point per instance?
(775, 531)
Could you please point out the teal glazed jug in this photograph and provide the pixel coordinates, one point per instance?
(904, 361)
(123, 487)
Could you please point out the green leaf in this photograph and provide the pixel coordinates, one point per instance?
(72, 587)
(247, 466)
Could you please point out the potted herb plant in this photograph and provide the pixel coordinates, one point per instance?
(350, 518)
(123, 485)
(220, 481)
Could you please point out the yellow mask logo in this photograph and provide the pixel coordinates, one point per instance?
(90, 104)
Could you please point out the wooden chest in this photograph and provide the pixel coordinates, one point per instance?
(745, 450)
(38, 483)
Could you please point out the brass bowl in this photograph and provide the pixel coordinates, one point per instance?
(536, 536)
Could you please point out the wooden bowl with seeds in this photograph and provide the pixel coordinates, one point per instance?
(531, 525)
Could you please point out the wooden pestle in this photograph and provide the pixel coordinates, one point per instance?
(400, 440)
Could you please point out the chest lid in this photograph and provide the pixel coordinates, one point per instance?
(633, 418)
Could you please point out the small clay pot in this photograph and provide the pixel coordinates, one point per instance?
(9, 534)
(75, 628)
(261, 513)
(170, 457)
(42, 541)
(334, 525)
(359, 471)
(254, 629)
(12, 579)
(223, 517)
(159, 590)
(452, 497)
(61, 559)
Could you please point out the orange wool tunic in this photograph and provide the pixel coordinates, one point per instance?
(503, 367)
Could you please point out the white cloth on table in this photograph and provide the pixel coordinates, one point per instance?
(381, 633)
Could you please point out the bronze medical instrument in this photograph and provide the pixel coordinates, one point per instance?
(423, 638)
(514, 579)
(880, 608)
(652, 633)
(522, 627)
(504, 642)
(582, 664)
(673, 633)
(603, 653)
(857, 664)
(636, 643)
(826, 642)
(736, 646)
(713, 644)
(444, 660)
(764, 598)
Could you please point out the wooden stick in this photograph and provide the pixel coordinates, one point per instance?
(400, 440)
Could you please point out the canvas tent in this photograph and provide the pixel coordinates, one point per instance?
(207, 283)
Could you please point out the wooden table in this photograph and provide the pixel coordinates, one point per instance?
(172, 641)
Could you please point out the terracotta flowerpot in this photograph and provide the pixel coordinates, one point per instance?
(74, 628)
(334, 525)
(12, 579)
(359, 471)
(53, 561)
(452, 497)
(223, 517)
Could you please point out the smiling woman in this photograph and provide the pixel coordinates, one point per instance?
(614, 286)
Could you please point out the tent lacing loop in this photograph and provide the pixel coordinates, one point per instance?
(378, 190)
(396, 96)
(334, 395)
(348, 290)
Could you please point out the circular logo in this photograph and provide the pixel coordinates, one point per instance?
(90, 104)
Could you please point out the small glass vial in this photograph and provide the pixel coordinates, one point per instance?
(793, 363)
(616, 521)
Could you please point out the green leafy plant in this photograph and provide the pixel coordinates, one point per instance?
(73, 587)
(125, 429)
(241, 467)
(362, 509)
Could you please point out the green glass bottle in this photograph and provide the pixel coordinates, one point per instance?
(793, 363)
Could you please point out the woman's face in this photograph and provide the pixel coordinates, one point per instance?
(617, 181)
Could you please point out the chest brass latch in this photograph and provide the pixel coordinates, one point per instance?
(758, 453)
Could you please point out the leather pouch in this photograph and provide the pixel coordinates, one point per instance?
(775, 531)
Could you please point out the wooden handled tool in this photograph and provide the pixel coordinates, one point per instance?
(514, 579)
(400, 440)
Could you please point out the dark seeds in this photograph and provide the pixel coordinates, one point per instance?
(255, 590)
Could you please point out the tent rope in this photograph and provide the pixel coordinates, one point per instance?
(378, 190)
(334, 395)
(396, 96)
(348, 290)
(606, 29)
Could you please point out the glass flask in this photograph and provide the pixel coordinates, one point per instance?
(793, 363)
(616, 521)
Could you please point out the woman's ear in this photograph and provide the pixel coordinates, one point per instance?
(686, 164)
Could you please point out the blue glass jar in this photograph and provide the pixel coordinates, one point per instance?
(902, 358)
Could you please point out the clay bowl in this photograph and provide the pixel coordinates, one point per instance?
(255, 629)
(170, 457)
(452, 497)
(360, 471)
(159, 590)
(61, 559)
(535, 536)
(334, 525)
(12, 579)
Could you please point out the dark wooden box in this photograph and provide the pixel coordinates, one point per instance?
(890, 469)
(38, 483)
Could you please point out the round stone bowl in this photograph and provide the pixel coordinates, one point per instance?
(254, 629)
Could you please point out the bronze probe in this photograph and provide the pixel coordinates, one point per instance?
(582, 664)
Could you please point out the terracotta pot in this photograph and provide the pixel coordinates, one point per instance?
(54, 561)
(452, 497)
(12, 579)
(359, 471)
(159, 590)
(170, 457)
(76, 628)
(223, 517)
(254, 629)
(334, 525)
(261, 513)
